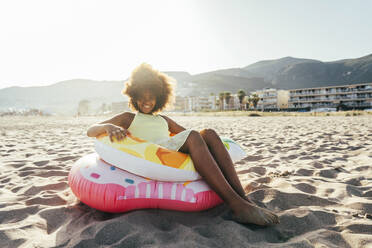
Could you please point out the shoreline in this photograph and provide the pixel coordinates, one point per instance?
(272, 114)
(350, 113)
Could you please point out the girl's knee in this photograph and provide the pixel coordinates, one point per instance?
(208, 133)
(194, 134)
(194, 137)
(194, 141)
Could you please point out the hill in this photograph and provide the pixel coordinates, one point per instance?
(283, 73)
(62, 97)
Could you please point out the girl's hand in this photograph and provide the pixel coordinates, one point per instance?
(115, 131)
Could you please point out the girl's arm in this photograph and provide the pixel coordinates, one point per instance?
(116, 126)
(173, 126)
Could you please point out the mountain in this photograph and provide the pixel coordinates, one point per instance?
(62, 97)
(295, 73)
(268, 69)
(283, 73)
(215, 82)
(180, 76)
(317, 73)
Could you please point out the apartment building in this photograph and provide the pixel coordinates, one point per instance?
(199, 103)
(272, 98)
(351, 96)
(202, 103)
(195, 103)
(181, 103)
(118, 107)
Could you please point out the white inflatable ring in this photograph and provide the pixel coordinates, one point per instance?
(150, 160)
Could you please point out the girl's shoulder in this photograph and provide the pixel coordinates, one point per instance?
(173, 126)
(165, 117)
(127, 118)
(128, 114)
(123, 119)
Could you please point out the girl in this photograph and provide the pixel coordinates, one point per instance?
(150, 91)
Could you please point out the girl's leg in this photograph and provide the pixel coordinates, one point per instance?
(223, 159)
(207, 167)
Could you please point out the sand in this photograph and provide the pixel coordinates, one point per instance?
(314, 172)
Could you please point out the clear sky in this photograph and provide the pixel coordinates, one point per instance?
(46, 41)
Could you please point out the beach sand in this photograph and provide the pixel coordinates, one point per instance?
(314, 172)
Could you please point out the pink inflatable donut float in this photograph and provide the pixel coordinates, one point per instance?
(109, 189)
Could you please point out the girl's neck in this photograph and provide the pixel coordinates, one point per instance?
(145, 114)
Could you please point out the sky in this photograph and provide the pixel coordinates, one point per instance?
(46, 41)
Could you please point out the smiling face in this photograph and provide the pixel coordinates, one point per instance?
(146, 102)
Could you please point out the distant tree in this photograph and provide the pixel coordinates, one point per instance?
(221, 96)
(241, 95)
(249, 102)
(227, 97)
(255, 100)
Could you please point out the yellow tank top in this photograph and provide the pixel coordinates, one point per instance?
(152, 128)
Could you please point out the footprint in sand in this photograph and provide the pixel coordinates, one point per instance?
(50, 201)
(25, 173)
(257, 169)
(6, 180)
(331, 173)
(66, 158)
(304, 187)
(253, 158)
(52, 174)
(17, 165)
(41, 163)
(16, 215)
(264, 180)
(305, 172)
(28, 155)
(37, 189)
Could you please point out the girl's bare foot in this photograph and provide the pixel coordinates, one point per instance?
(245, 197)
(249, 213)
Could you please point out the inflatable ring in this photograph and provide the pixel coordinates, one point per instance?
(109, 189)
(150, 160)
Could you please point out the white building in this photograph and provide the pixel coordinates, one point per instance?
(195, 103)
(181, 104)
(118, 107)
(355, 95)
(272, 98)
(200, 103)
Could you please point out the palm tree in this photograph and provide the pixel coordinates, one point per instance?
(221, 96)
(255, 100)
(241, 94)
(227, 97)
(249, 102)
